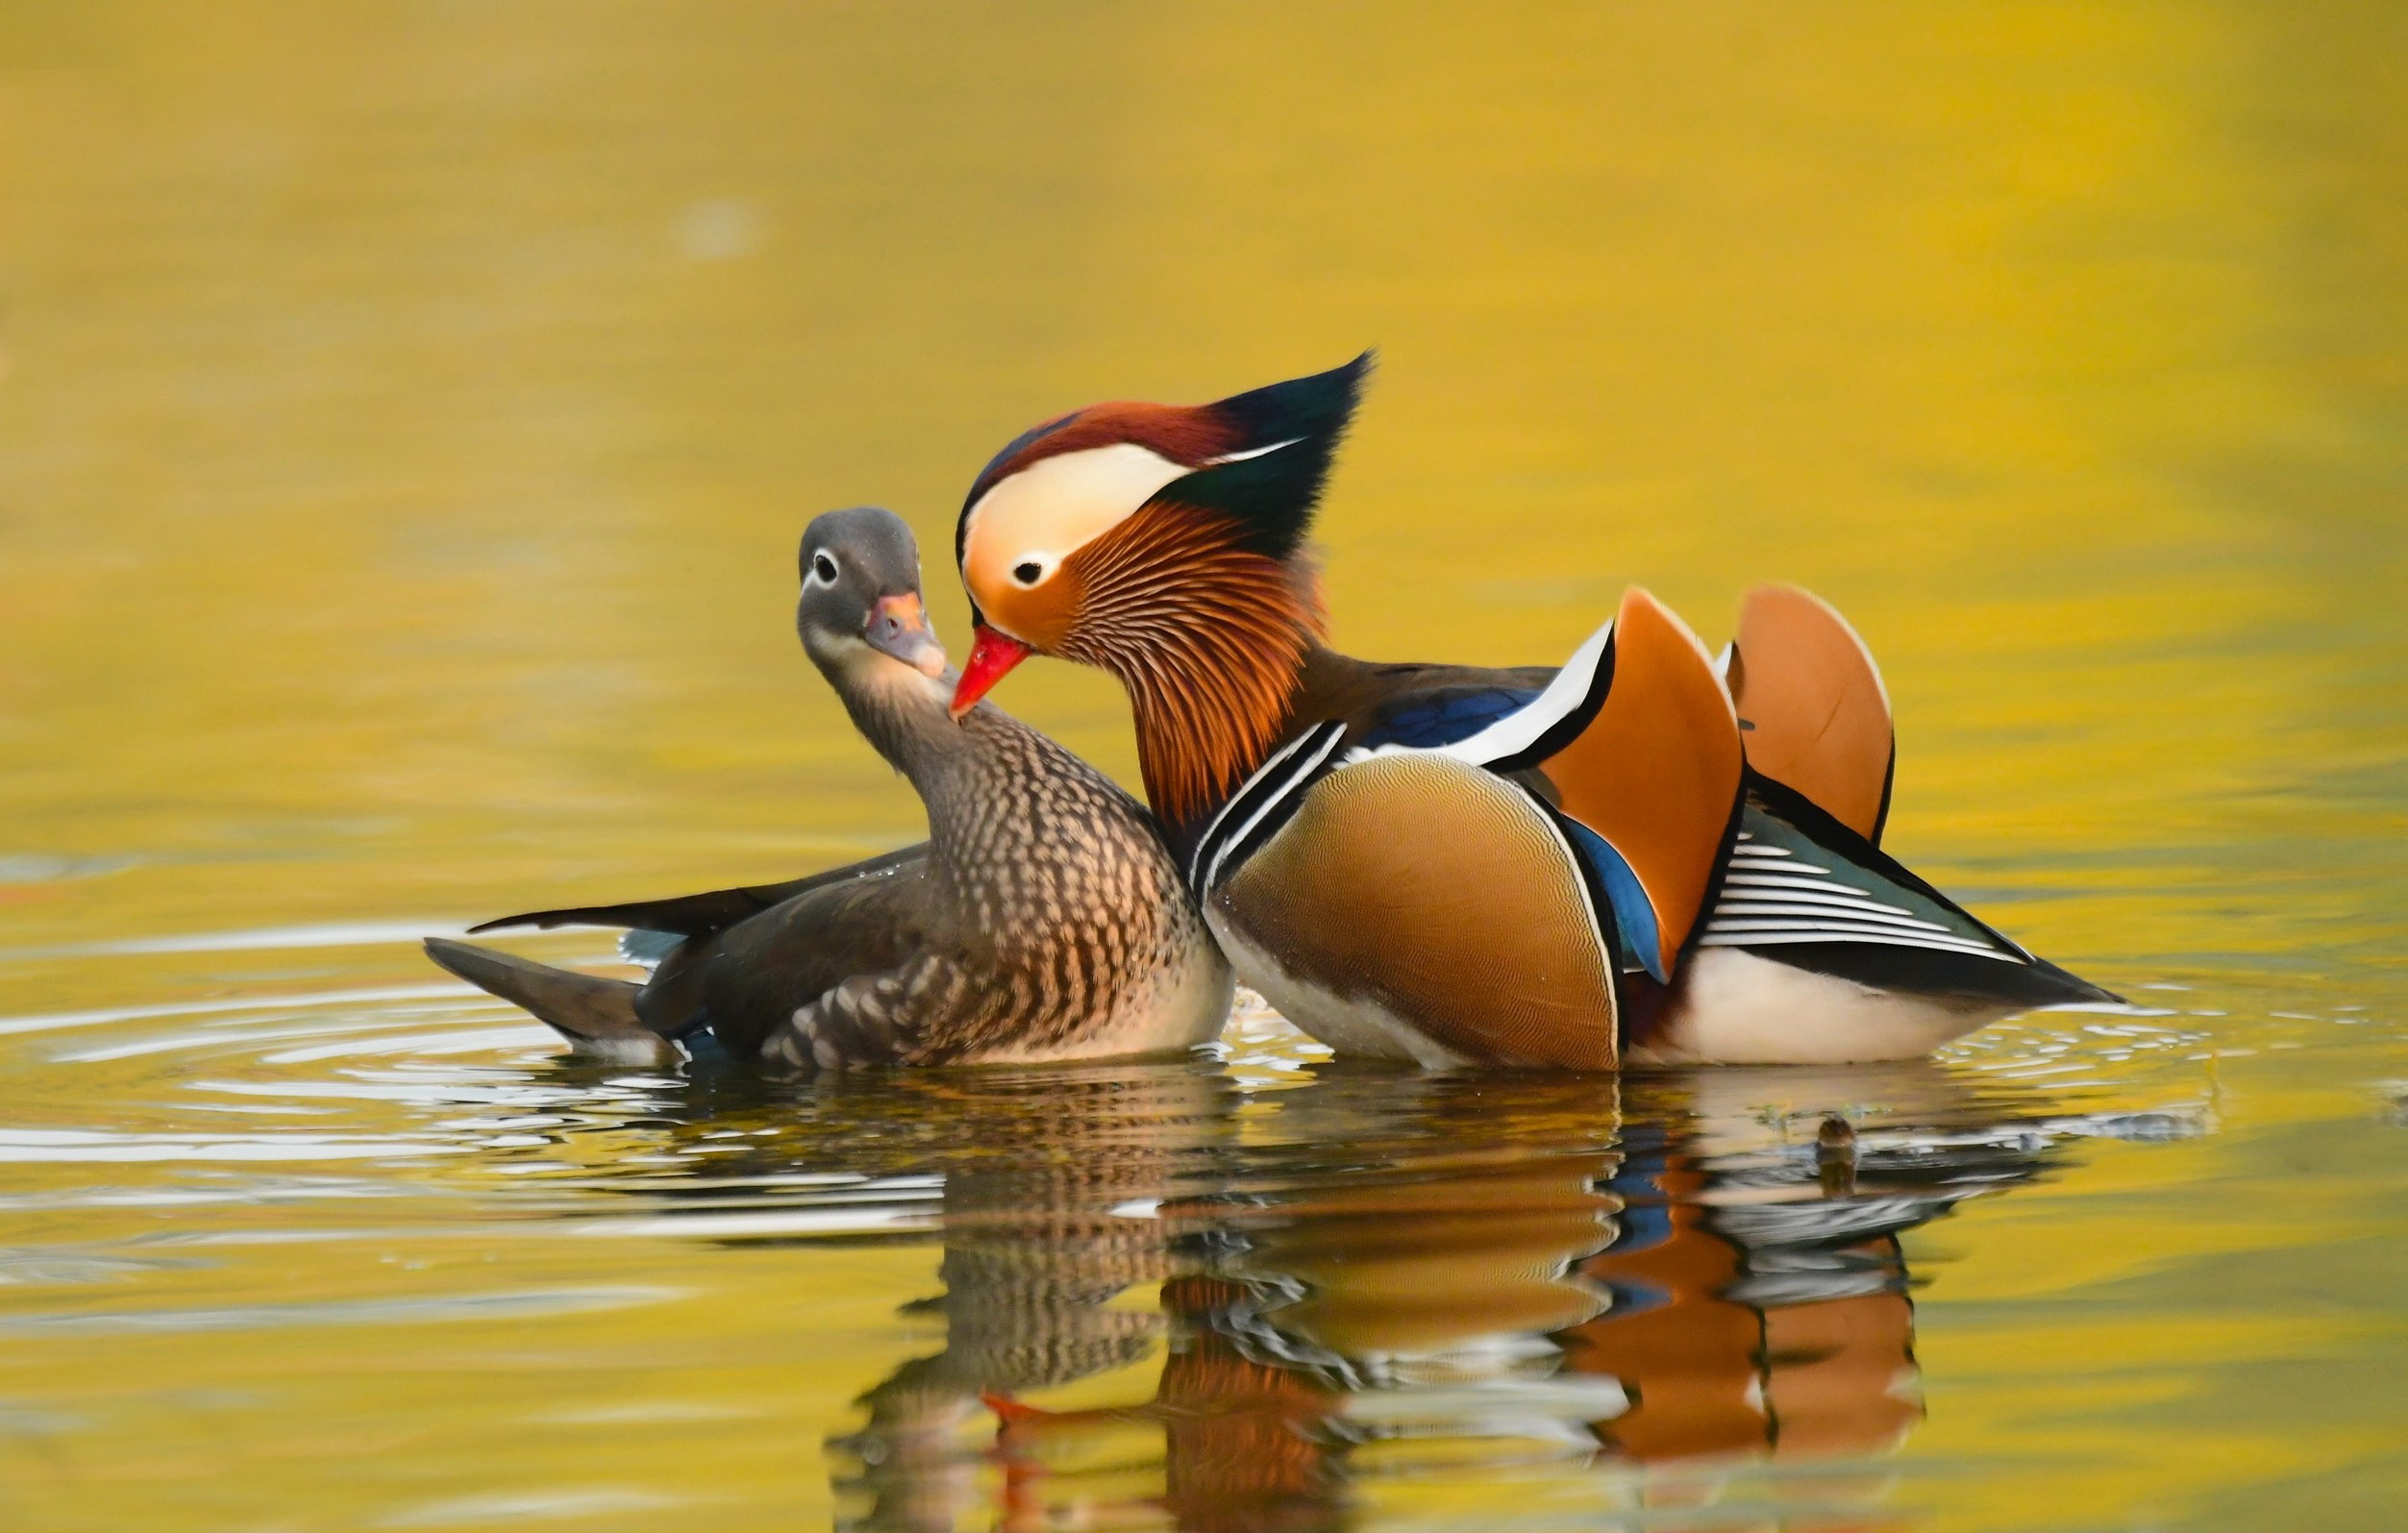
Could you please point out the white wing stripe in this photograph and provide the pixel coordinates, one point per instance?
(1815, 910)
(1825, 921)
(1782, 880)
(1835, 894)
(1771, 897)
(1780, 938)
(1517, 731)
(1767, 855)
(1843, 932)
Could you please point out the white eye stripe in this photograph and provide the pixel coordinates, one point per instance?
(823, 569)
(1060, 504)
(1039, 514)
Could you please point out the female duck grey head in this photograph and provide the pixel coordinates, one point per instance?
(861, 571)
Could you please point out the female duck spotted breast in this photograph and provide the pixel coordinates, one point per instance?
(1042, 920)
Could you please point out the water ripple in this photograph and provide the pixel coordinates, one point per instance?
(499, 1305)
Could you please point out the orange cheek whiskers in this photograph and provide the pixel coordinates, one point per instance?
(1206, 637)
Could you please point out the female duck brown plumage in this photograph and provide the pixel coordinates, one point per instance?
(1042, 920)
(1640, 855)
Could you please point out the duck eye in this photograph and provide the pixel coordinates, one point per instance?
(824, 569)
(1026, 571)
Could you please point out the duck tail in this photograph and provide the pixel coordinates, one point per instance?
(1812, 708)
(597, 1016)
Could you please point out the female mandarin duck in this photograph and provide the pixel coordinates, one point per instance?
(1041, 921)
(1643, 856)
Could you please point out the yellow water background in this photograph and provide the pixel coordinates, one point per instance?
(408, 412)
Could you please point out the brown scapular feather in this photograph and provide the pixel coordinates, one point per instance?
(1206, 637)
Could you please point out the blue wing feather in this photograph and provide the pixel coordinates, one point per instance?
(1634, 919)
(1425, 723)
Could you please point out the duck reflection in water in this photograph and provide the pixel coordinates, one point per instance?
(1371, 1277)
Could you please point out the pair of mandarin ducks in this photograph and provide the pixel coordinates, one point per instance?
(1652, 855)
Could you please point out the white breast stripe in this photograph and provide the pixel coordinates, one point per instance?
(1260, 774)
(1237, 838)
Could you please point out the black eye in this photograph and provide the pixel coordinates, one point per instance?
(824, 568)
(1027, 571)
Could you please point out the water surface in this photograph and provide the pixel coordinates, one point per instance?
(406, 413)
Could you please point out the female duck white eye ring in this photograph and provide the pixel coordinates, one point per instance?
(823, 569)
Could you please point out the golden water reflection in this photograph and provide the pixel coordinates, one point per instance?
(1161, 1299)
(406, 414)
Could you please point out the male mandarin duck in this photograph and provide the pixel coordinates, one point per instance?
(1644, 855)
(1043, 920)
